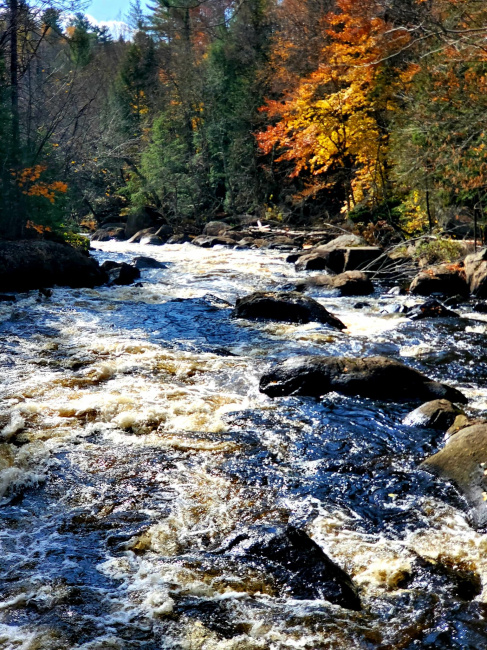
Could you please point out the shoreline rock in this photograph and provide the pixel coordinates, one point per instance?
(463, 461)
(35, 264)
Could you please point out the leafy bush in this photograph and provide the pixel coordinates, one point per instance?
(435, 251)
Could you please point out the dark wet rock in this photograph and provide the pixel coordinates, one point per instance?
(281, 243)
(33, 264)
(431, 309)
(373, 377)
(463, 462)
(445, 279)
(480, 307)
(476, 273)
(120, 272)
(437, 414)
(208, 242)
(152, 240)
(361, 305)
(350, 283)
(361, 257)
(5, 298)
(446, 577)
(180, 238)
(105, 234)
(296, 562)
(293, 258)
(215, 228)
(289, 307)
(142, 262)
(453, 301)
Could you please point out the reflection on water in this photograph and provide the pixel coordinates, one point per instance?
(134, 440)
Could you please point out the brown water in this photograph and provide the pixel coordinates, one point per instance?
(134, 440)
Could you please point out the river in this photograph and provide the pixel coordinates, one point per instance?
(135, 440)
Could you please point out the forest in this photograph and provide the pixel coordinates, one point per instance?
(367, 111)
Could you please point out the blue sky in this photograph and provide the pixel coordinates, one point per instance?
(108, 9)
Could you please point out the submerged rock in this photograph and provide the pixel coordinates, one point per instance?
(120, 272)
(142, 262)
(289, 307)
(432, 308)
(350, 283)
(450, 579)
(373, 377)
(445, 279)
(463, 461)
(152, 240)
(296, 562)
(34, 264)
(437, 414)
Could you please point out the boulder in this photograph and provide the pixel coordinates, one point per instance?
(431, 309)
(298, 564)
(445, 279)
(328, 256)
(437, 414)
(165, 232)
(476, 273)
(34, 264)
(350, 283)
(289, 307)
(463, 461)
(138, 222)
(120, 272)
(215, 228)
(180, 238)
(361, 257)
(373, 377)
(142, 262)
(146, 232)
(152, 240)
(105, 234)
(208, 242)
(321, 259)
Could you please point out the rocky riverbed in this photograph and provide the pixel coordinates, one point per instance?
(152, 496)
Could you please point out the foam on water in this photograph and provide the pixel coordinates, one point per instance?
(134, 440)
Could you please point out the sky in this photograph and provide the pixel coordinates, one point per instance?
(109, 13)
(105, 10)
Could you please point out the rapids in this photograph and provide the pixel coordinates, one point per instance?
(134, 440)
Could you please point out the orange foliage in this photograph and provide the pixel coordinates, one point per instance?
(336, 118)
(28, 180)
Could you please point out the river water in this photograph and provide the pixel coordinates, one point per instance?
(135, 440)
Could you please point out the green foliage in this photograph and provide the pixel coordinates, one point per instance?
(386, 211)
(435, 251)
